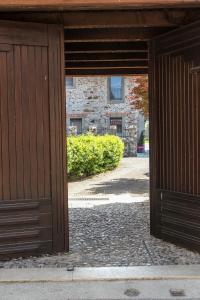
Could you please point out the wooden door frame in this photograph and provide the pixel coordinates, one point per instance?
(154, 230)
(58, 138)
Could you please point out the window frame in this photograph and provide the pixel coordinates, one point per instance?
(71, 119)
(70, 87)
(112, 101)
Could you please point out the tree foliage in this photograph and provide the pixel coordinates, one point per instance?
(138, 93)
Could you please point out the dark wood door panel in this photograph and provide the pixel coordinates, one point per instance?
(33, 214)
(180, 217)
(25, 202)
(32, 122)
(25, 223)
(25, 124)
(175, 136)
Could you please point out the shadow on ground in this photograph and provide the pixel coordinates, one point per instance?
(121, 186)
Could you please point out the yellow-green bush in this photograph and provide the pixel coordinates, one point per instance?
(88, 155)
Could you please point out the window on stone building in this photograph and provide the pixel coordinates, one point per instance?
(69, 81)
(78, 124)
(118, 123)
(116, 88)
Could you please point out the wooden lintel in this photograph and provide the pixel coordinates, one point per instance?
(106, 64)
(106, 47)
(112, 34)
(106, 51)
(105, 72)
(125, 19)
(107, 18)
(59, 5)
(105, 68)
(105, 57)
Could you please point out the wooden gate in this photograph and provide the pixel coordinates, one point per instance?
(33, 216)
(175, 136)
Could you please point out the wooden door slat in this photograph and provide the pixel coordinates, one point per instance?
(176, 137)
(33, 202)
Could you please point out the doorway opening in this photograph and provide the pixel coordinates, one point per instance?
(109, 50)
(102, 206)
(109, 213)
(163, 43)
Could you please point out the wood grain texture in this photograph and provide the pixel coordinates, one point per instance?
(35, 34)
(175, 148)
(125, 18)
(58, 138)
(134, 18)
(32, 162)
(92, 4)
(24, 226)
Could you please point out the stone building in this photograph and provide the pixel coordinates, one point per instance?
(101, 104)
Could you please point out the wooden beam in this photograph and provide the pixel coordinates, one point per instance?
(106, 64)
(105, 72)
(106, 51)
(84, 57)
(106, 47)
(106, 68)
(29, 16)
(123, 19)
(112, 34)
(46, 5)
(109, 18)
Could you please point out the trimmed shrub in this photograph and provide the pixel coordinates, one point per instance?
(88, 154)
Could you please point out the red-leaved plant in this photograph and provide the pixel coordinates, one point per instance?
(138, 93)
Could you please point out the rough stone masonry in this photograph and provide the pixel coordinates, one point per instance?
(88, 100)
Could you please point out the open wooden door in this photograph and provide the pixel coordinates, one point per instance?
(33, 212)
(175, 136)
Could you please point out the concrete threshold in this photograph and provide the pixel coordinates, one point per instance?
(175, 272)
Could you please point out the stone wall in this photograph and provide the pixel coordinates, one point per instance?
(89, 100)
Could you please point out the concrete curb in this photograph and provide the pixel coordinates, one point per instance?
(100, 274)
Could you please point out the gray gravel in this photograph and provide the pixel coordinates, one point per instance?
(114, 234)
(111, 228)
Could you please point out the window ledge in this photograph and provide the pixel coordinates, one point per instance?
(115, 102)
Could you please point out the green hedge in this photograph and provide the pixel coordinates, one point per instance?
(88, 155)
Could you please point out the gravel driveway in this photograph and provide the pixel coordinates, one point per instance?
(109, 224)
(130, 178)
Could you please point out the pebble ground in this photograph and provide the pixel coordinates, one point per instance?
(109, 233)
